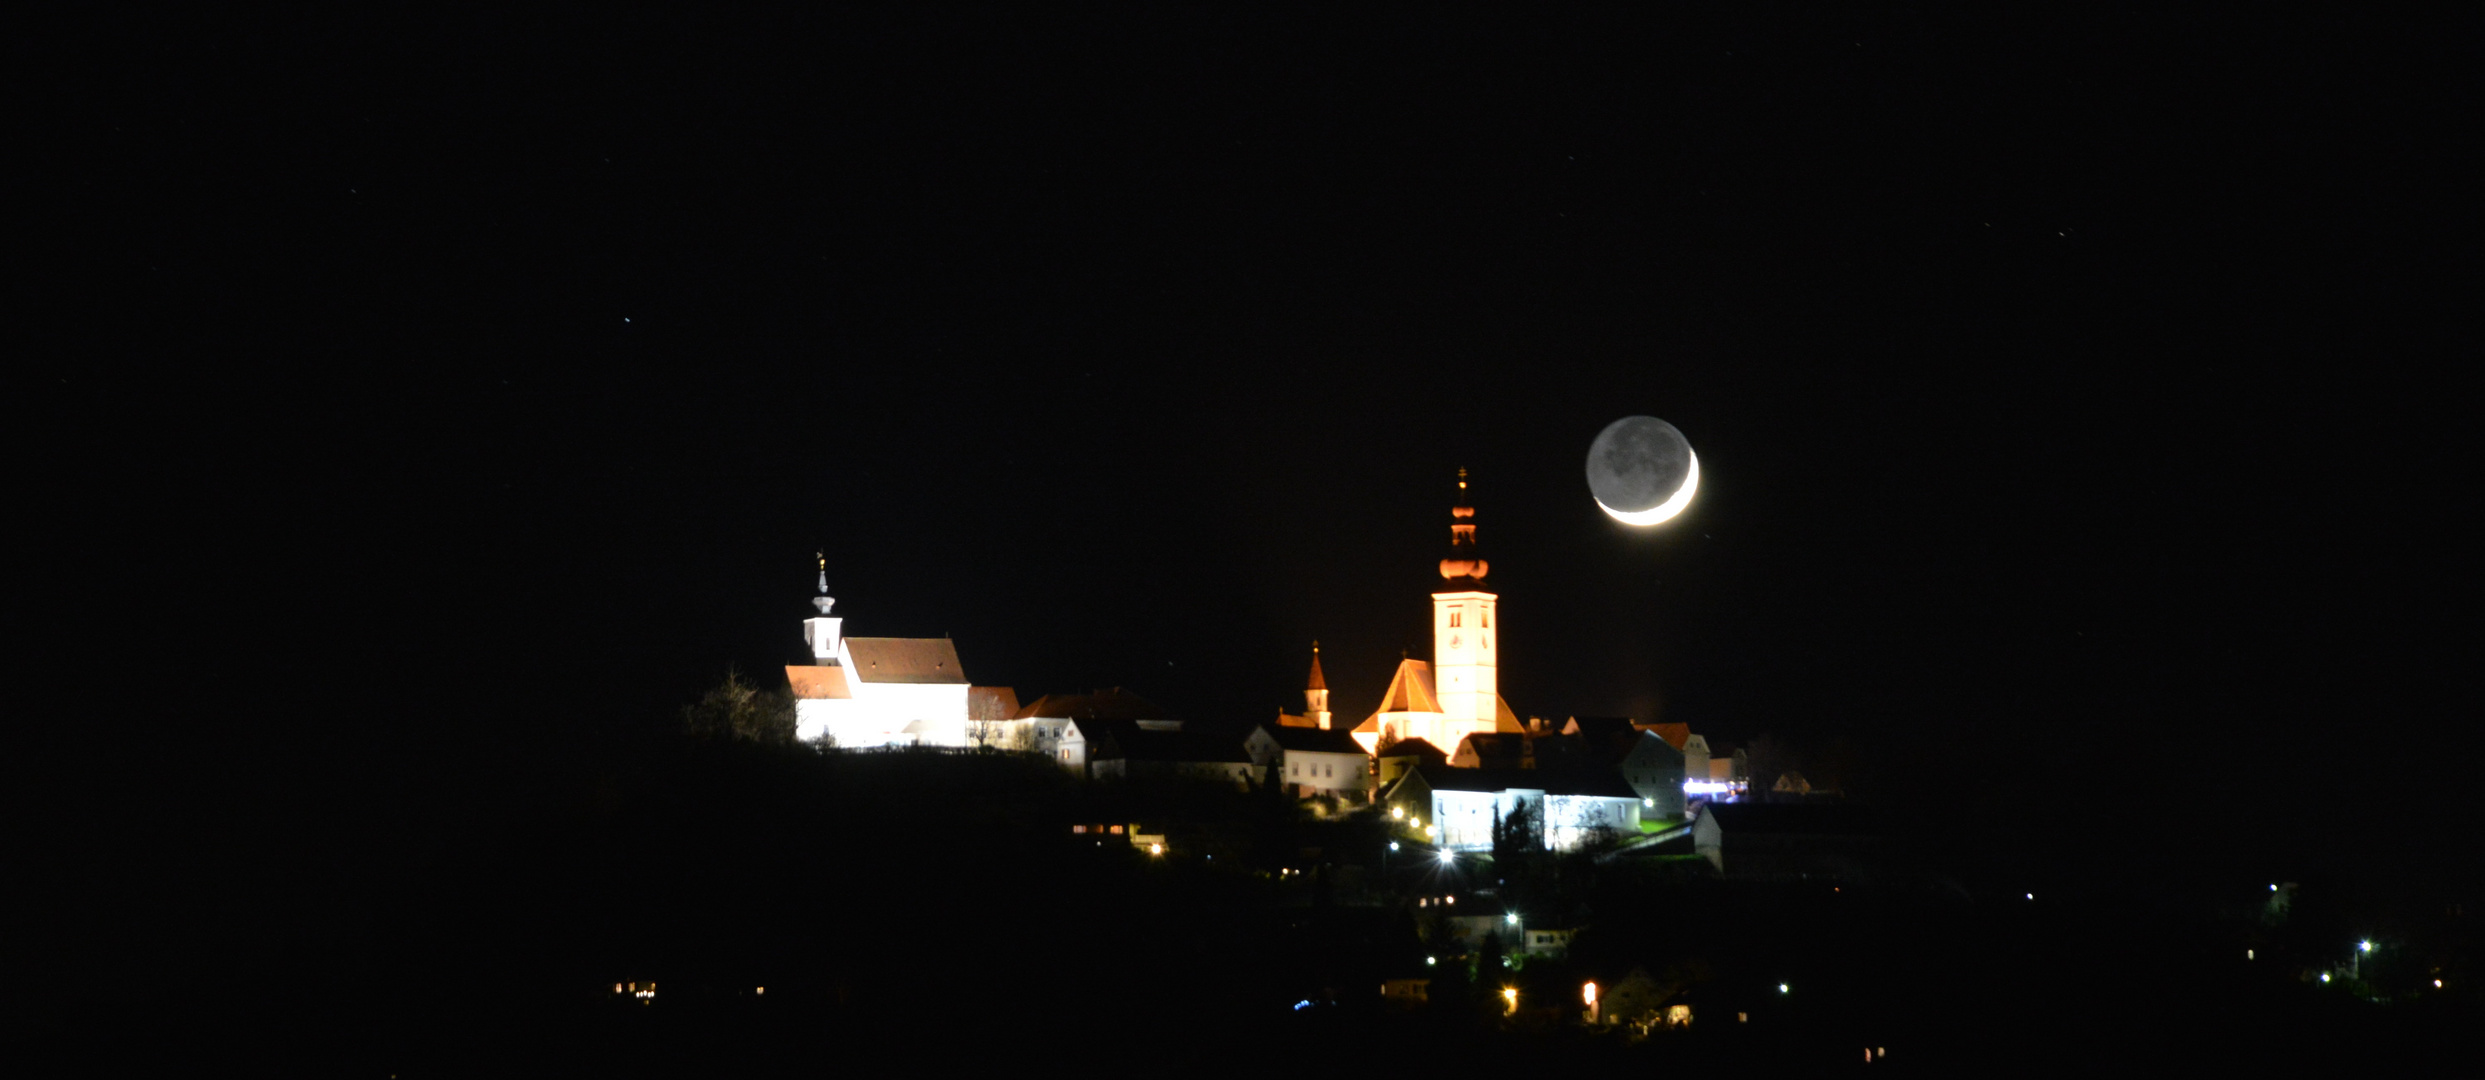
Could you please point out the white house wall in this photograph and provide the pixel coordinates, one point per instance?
(1573, 820)
(1464, 820)
(1328, 772)
(882, 714)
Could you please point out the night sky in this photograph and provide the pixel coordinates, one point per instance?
(417, 406)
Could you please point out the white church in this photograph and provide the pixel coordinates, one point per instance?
(1459, 693)
(873, 692)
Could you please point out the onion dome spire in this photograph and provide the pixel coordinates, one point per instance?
(823, 601)
(1463, 563)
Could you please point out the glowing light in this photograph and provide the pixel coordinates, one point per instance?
(1648, 803)
(1397, 812)
(2437, 984)
(2366, 946)
(1588, 993)
(1448, 856)
(1510, 998)
(1156, 849)
(2031, 896)
(1301, 1005)
(763, 990)
(1431, 960)
(1428, 830)
(1781, 988)
(2325, 976)
(1662, 511)
(1449, 900)
(1393, 845)
(2247, 954)
(1511, 918)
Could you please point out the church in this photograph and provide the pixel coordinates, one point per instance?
(872, 692)
(1459, 693)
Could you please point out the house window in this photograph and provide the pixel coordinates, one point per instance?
(1488, 618)
(1453, 617)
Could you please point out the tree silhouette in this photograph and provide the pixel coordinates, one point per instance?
(736, 710)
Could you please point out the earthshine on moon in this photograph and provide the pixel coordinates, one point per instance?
(1642, 471)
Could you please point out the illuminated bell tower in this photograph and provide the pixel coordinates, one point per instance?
(1465, 664)
(1316, 694)
(821, 630)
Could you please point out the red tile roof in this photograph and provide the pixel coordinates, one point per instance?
(905, 660)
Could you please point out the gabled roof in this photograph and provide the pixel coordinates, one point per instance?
(1494, 751)
(1111, 704)
(1313, 740)
(1647, 742)
(1410, 690)
(1611, 736)
(991, 702)
(905, 660)
(1414, 748)
(817, 681)
(1675, 735)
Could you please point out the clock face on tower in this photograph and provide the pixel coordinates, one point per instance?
(1453, 641)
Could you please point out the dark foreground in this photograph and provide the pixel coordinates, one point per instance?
(975, 929)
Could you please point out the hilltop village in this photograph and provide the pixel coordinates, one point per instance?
(1442, 756)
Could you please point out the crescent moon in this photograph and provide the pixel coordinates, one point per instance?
(1662, 511)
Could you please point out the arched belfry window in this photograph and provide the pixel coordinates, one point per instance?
(1453, 617)
(1488, 618)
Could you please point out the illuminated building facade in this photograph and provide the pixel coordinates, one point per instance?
(874, 692)
(1458, 808)
(1459, 693)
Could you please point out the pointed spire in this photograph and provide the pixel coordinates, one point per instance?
(1317, 682)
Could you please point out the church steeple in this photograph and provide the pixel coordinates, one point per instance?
(821, 631)
(1463, 567)
(1465, 665)
(1316, 693)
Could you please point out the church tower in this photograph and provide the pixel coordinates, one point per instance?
(821, 631)
(1316, 694)
(1465, 658)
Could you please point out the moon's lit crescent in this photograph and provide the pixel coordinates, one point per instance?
(1672, 505)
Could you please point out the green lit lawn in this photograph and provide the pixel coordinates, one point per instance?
(1648, 826)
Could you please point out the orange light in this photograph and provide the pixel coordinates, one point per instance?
(1588, 993)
